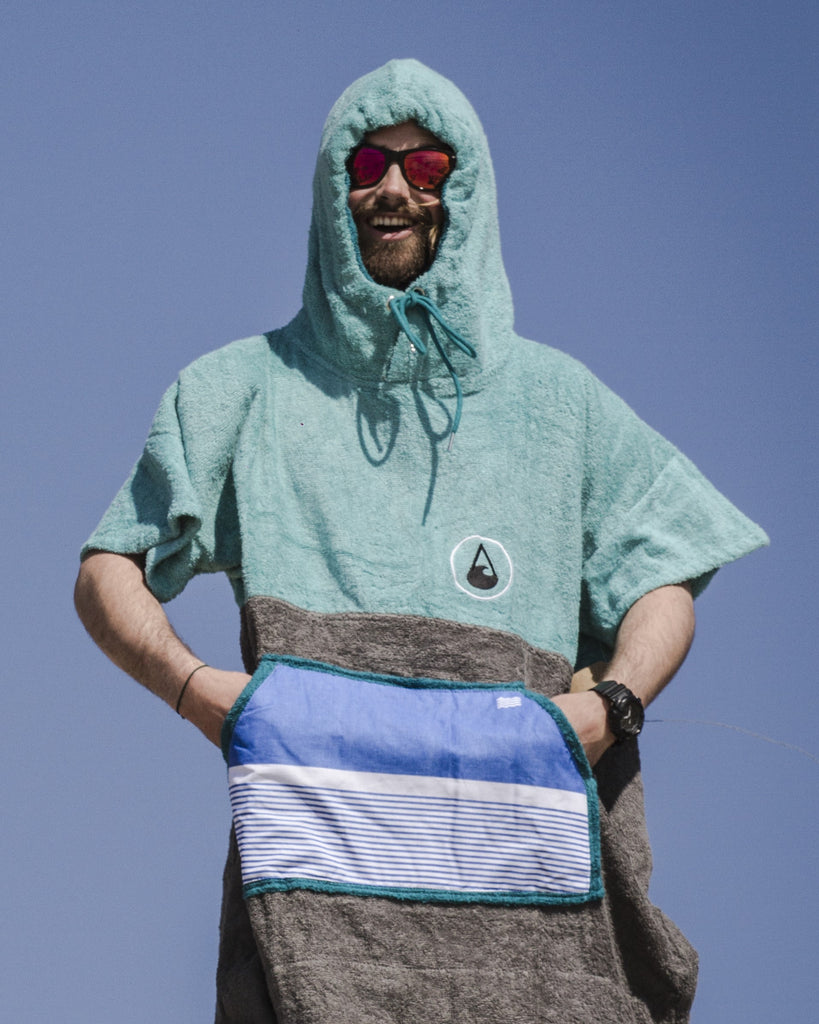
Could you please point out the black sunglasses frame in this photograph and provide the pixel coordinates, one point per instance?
(398, 156)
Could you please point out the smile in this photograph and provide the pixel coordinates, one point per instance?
(390, 223)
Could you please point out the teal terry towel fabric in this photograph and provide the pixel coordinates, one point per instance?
(261, 450)
(311, 465)
(338, 498)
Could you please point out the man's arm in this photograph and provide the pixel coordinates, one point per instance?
(128, 623)
(652, 642)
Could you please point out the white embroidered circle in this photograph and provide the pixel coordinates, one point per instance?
(481, 567)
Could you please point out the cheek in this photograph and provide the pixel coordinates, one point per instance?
(356, 199)
(435, 210)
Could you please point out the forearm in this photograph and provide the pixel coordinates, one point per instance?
(127, 622)
(652, 642)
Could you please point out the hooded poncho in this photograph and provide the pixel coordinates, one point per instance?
(421, 836)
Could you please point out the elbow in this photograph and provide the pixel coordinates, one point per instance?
(87, 588)
(102, 575)
(81, 591)
(687, 616)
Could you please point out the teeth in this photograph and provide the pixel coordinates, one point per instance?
(391, 222)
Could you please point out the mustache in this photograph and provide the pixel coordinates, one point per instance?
(420, 213)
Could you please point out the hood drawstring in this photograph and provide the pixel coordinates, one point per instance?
(398, 305)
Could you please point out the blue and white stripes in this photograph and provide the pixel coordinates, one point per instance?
(419, 789)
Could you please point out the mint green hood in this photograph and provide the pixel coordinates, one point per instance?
(352, 327)
(311, 465)
(308, 464)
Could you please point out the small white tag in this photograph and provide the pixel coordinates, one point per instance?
(509, 702)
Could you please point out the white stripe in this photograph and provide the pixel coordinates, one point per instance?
(411, 785)
(373, 816)
(361, 831)
(273, 792)
(487, 849)
(321, 869)
(257, 864)
(281, 853)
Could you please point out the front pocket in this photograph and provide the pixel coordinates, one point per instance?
(418, 789)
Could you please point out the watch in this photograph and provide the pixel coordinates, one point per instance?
(626, 715)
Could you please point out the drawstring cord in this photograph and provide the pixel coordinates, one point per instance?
(398, 305)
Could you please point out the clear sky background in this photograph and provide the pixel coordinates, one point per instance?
(657, 177)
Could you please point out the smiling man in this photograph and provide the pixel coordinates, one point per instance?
(432, 754)
(396, 177)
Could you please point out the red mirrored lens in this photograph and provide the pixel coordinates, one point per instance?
(423, 168)
(367, 167)
(426, 168)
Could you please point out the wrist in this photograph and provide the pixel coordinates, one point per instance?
(624, 710)
(209, 696)
(184, 688)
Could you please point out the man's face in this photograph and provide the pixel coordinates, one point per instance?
(398, 225)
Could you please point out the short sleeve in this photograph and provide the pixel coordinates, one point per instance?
(650, 517)
(177, 506)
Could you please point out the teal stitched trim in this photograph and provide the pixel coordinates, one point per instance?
(572, 741)
(422, 895)
(233, 716)
(265, 668)
(568, 733)
(416, 682)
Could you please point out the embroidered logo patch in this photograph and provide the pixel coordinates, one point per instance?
(481, 567)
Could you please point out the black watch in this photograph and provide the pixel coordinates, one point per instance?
(626, 715)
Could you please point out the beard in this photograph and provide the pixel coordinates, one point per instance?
(396, 264)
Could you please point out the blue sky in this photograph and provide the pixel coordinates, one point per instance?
(657, 169)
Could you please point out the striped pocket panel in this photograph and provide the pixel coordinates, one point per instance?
(413, 788)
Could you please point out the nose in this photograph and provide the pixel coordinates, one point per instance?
(393, 184)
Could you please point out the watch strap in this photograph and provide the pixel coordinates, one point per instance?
(619, 699)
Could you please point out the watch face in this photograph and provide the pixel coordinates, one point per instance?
(630, 718)
(626, 713)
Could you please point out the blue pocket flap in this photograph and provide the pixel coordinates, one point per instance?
(412, 788)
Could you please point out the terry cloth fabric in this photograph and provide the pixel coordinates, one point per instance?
(310, 465)
(425, 789)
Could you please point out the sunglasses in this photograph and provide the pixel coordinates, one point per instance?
(425, 168)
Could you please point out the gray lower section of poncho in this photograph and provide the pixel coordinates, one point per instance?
(305, 957)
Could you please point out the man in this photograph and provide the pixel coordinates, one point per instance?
(401, 576)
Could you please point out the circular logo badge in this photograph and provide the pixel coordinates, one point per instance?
(481, 567)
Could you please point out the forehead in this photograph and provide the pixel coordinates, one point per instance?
(407, 135)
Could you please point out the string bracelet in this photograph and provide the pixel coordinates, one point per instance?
(185, 686)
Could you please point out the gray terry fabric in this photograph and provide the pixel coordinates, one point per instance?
(404, 645)
(338, 959)
(241, 989)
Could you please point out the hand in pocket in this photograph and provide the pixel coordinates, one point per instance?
(210, 695)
